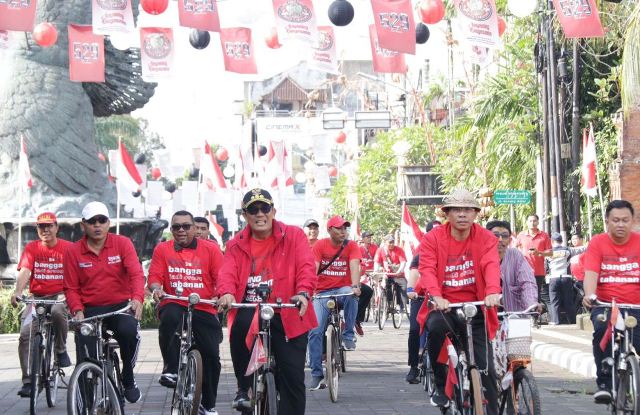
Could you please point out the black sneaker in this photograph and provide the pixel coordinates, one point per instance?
(241, 401)
(602, 396)
(168, 380)
(64, 360)
(25, 391)
(412, 376)
(439, 399)
(132, 393)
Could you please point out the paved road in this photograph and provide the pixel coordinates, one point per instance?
(374, 383)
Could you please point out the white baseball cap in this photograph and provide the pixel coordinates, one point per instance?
(92, 209)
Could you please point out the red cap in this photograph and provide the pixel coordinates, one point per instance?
(337, 222)
(47, 217)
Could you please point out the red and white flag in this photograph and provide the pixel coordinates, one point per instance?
(156, 52)
(616, 321)
(237, 50)
(395, 27)
(210, 170)
(199, 14)
(26, 182)
(278, 170)
(479, 22)
(323, 56)
(18, 15)
(410, 233)
(589, 182)
(216, 229)
(127, 174)
(385, 60)
(448, 356)
(109, 17)
(258, 356)
(244, 167)
(296, 19)
(86, 54)
(579, 18)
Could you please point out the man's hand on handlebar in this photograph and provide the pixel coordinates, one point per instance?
(587, 301)
(158, 293)
(14, 299)
(440, 303)
(225, 301)
(356, 291)
(303, 303)
(79, 315)
(411, 295)
(492, 300)
(136, 307)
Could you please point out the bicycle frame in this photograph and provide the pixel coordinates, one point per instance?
(335, 318)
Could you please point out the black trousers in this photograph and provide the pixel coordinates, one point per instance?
(561, 304)
(289, 354)
(543, 290)
(414, 333)
(206, 334)
(363, 301)
(125, 330)
(438, 325)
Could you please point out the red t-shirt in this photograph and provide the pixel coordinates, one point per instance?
(618, 268)
(577, 266)
(539, 241)
(338, 274)
(368, 254)
(45, 265)
(395, 256)
(459, 284)
(261, 270)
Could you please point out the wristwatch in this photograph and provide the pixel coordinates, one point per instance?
(355, 286)
(304, 294)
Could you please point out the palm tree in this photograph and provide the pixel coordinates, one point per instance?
(631, 66)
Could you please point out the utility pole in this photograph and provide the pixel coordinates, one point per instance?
(575, 136)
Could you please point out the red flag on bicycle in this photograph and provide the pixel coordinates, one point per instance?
(448, 356)
(617, 320)
(258, 357)
(254, 329)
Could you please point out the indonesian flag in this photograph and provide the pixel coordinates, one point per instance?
(394, 23)
(127, 174)
(112, 17)
(244, 166)
(86, 54)
(216, 229)
(211, 174)
(18, 15)
(448, 356)
(26, 182)
(258, 356)
(355, 230)
(589, 183)
(253, 331)
(410, 232)
(278, 171)
(199, 14)
(385, 60)
(579, 19)
(616, 321)
(237, 50)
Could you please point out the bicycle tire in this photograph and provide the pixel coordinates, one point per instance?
(332, 363)
(429, 377)
(343, 357)
(271, 396)
(116, 377)
(382, 310)
(188, 391)
(527, 396)
(375, 299)
(36, 371)
(86, 380)
(476, 389)
(627, 401)
(50, 370)
(397, 309)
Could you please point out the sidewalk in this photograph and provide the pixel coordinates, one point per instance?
(566, 346)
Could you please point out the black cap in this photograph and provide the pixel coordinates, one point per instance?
(555, 236)
(256, 195)
(366, 234)
(310, 222)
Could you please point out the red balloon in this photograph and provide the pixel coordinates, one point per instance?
(341, 137)
(222, 154)
(156, 173)
(154, 6)
(102, 157)
(45, 34)
(333, 172)
(502, 25)
(431, 11)
(272, 39)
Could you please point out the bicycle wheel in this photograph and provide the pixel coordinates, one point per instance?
(270, 398)
(627, 401)
(333, 364)
(396, 312)
(426, 371)
(343, 355)
(86, 394)
(50, 372)
(476, 389)
(188, 391)
(382, 310)
(374, 305)
(527, 397)
(36, 359)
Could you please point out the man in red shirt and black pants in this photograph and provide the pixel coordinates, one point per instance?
(192, 264)
(535, 244)
(41, 267)
(102, 274)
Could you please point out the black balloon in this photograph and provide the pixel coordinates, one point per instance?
(199, 39)
(341, 12)
(136, 194)
(140, 158)
(262, 150)
(170, 187)
(422, 33)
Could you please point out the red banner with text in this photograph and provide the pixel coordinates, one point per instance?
(385, 60)
(478, 20)
(237, 50)
(18, 15)
(394, 23)
(295, 20)
(199, 14)
(86, 54)
(579, 18)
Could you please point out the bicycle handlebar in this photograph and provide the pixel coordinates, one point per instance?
(273, 305)
(103, 316)
(460, 305)
(188, 299)
(596, 302)
(529, 311)
(320, 297)
(26, 300)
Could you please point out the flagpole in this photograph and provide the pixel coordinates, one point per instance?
(20, 201)
(118, 189)
(589, 220)
(602, 206)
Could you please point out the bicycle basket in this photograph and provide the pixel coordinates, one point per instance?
(519, 339)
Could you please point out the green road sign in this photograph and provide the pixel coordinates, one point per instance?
(512, 197)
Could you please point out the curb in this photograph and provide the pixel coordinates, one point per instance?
(573, 360)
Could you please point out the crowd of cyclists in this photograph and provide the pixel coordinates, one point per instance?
(457, 261)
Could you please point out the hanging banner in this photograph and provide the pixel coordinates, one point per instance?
(394, 23)
(156, 52)
(86, 54)
(478, 55)
(295, 20)
(323, 55)
(579, 18)
(112, 16)
(385, 60)
(199, 14)
(237, 50)
(18, 15)
(479, 22)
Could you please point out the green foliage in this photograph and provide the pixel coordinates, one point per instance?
(631, 63)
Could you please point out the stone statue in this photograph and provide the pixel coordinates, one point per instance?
(56, 116)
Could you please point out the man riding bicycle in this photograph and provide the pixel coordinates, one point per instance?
(459, 263)
(192, 264)
(612, 270)
(41, 267)
(392, 260)
(102, 273)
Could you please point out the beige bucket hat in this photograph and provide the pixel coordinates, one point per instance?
(461, 198)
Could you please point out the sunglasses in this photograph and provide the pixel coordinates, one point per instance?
(177, 226)
(253, 209)
(501, 235)
(43, 226)
(99, 219)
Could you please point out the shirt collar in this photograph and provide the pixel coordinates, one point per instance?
(85, 246)
(192, 245)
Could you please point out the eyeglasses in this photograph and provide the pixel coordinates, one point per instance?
(43, 226)
(502, 235)
(177, 226)
(100, 219)
(253, 209)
